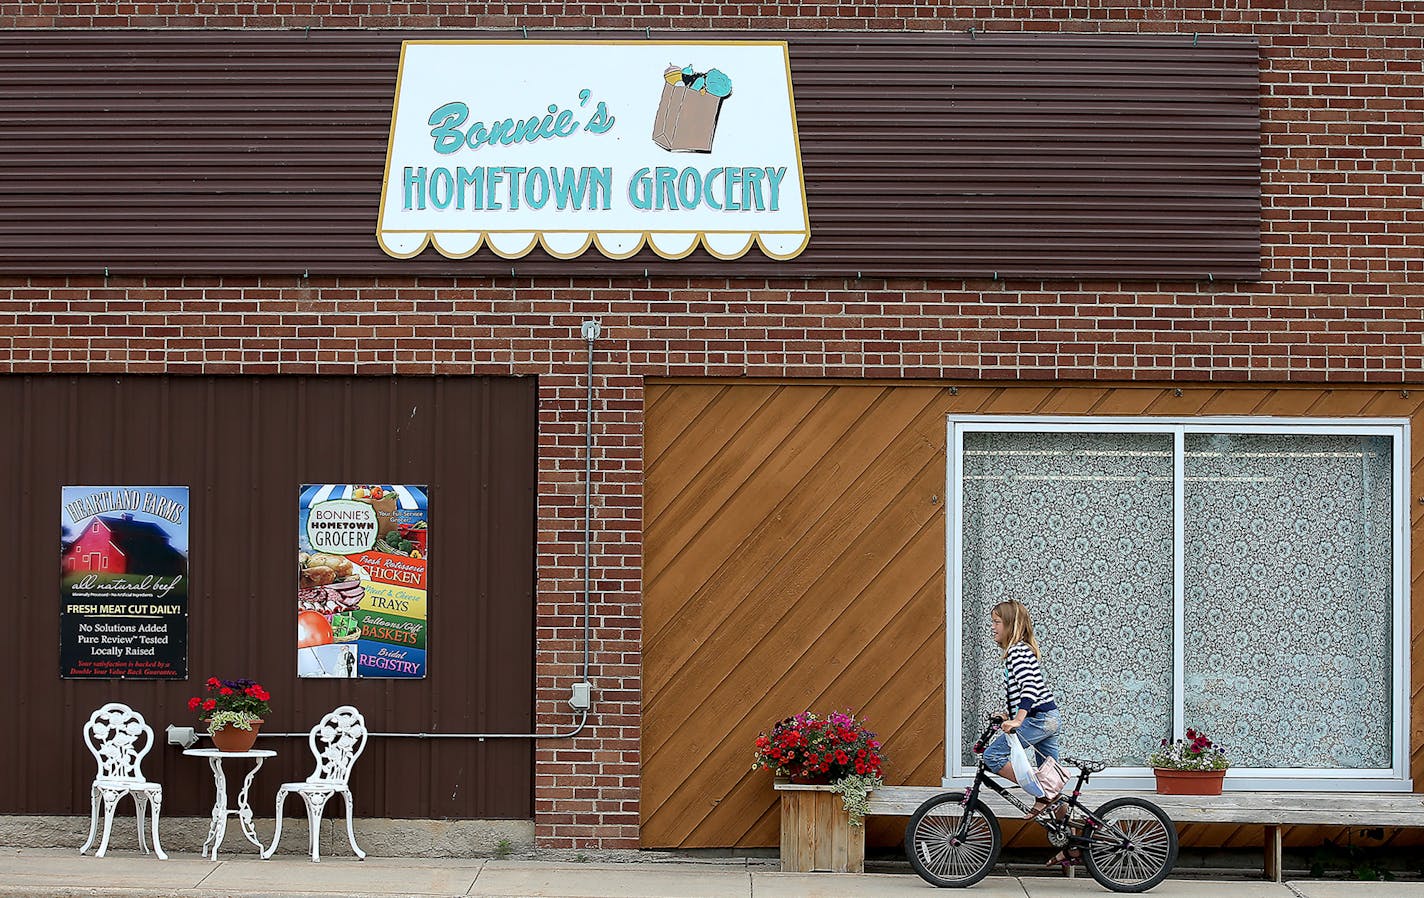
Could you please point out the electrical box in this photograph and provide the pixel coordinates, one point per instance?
(581, 699)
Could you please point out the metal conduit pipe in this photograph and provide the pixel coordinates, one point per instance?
(581, 691)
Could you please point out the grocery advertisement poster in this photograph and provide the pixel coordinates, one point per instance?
(123, 596)
(361, 590)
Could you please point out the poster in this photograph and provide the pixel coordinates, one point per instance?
(361, 589)
(123, 596)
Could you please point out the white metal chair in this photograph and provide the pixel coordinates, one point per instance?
(118, 737)
(337, 741)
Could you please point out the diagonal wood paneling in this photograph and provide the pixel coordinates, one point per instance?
(795, 558)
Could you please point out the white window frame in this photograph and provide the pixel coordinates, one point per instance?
(1393, 778)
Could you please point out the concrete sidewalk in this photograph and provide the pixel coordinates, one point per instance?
(54, 873)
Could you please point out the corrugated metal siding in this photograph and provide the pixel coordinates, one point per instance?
(794, 558)
(243, 446)
(925, 155)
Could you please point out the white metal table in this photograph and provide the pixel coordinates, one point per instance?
(221, 811)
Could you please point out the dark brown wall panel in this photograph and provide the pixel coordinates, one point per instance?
(244, 446)
(1060, 156)
(794, 559)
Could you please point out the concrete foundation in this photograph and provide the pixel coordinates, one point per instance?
(375, 836)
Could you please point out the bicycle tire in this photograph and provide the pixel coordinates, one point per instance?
(930, 841)
(1134, 846)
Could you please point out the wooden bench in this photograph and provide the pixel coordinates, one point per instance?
(1272, 810)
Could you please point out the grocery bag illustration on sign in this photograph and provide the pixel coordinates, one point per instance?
(361, 587)
(686, 121)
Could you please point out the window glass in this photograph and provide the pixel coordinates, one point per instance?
(1288, 577)
(1078, 527)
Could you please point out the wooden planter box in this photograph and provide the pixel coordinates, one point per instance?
(816, 835)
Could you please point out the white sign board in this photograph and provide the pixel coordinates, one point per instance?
(507, 145)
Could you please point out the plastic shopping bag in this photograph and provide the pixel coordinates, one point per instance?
(1023, 766)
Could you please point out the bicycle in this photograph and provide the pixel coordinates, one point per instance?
(1128, 845)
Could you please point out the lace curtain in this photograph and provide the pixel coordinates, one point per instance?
(1078, 527)
(1287, 580)
(1288, 603)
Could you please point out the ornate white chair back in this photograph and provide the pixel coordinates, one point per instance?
(337, 741)
(118, 737)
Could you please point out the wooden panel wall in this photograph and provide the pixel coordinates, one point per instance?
(244, 446)
(795, 558)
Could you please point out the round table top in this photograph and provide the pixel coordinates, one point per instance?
(214, 753)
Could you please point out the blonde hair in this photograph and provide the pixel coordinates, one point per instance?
(1018, 626)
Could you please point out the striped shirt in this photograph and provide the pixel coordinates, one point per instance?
(1024, 686)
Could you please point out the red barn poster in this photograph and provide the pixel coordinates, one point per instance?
(123, 609)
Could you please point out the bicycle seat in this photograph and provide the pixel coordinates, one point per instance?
(1085, 765)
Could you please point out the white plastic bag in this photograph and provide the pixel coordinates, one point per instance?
(1023, 766)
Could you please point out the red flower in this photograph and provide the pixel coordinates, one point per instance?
(213, 681)
(193, 703)
(224, 691)
(210, 704)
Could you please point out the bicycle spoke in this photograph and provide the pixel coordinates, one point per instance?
(934, 844)
(1148, 853)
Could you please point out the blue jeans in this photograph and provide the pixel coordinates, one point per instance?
(1040, 729)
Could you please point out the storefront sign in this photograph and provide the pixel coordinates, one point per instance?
(361, 587)
(123, 597)
(611, 144)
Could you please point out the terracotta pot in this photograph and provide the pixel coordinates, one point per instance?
(234, 739)
(1188, 782)
(811, 779)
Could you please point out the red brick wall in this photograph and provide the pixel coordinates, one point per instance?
(1342, 300)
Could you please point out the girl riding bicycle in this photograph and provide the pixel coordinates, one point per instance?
(1032, 709)
(953, 838)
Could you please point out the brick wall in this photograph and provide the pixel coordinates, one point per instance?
(1342, 300)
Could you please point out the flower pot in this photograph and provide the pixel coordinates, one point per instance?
(1188, 782)
(233, 739)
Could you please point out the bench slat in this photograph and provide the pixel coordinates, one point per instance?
(1335, 808)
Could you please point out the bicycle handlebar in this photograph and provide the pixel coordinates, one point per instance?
(983, 741)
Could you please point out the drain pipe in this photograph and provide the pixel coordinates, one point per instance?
(581, 694)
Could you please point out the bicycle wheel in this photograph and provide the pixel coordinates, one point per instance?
(950, 846)
(1133, 848)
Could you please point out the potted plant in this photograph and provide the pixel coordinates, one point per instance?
(837, 750)
(1191, 766)
(233, 711)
